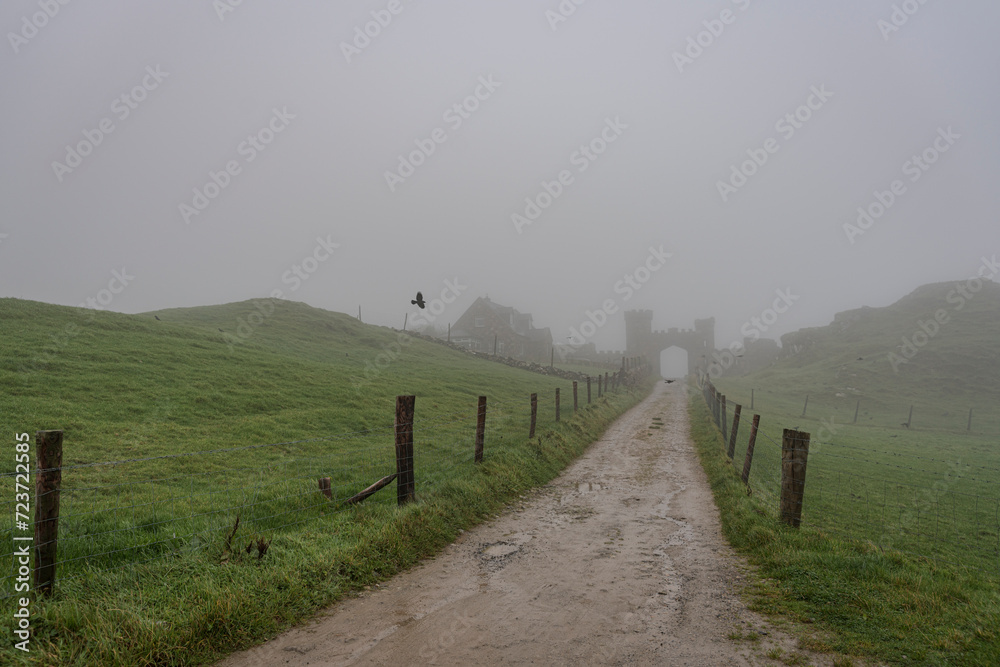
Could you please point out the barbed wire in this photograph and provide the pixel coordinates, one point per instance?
(970, 525)
(274, 495)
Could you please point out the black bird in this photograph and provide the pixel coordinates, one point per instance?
(222, 331)
(156, 316)
(419, 301)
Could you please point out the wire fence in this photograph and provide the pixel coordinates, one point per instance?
(908, 496)
(130, 512)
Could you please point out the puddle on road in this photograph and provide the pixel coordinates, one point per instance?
(500, 550)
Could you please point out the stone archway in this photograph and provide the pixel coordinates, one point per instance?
(641, 340)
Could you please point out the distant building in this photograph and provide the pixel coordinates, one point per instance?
(486, 322)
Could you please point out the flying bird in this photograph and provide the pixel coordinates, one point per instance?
(419, 301)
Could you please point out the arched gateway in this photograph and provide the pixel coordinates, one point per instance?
(641, 340)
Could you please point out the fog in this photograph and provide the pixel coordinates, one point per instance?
(696, 159)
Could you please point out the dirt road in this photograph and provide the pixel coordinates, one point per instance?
(619, 561)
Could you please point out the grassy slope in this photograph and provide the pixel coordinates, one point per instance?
(848, 360)
(929, 490)
(132, 387)
(850, 596)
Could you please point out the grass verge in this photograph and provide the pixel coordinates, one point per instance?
(850, 597)
(198, 606)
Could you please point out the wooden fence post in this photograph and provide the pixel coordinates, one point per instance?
(557, 403)
(794, 454)
(736, 428)
(576, 403)
(722, 415)
(605, 382)
(480, 429)
(748, 459)
(751, 399)
(909, 419)
(588, 390)
(856, 408)
(48, 481)
(969, 425)
(534, 415)
(599, 394)
(806, 405)
(405, 484)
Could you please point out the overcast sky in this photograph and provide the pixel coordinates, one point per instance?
(203, 151)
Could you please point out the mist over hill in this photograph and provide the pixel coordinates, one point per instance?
(942, 337)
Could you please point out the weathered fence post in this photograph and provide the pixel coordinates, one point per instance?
(794, 454)
(806, 405)
(748, 459)
(48, 481)
(480, 429)
(552, 358)
(599, 394)
(909, 418)
(325, 487)
(576, 403)
(969, 425)
(588, 390)
(605, 382)
(751, 399)
(534, 415)
(405, 485)
(557, 403)
(856, 408)
(722, 415)
(736, 428)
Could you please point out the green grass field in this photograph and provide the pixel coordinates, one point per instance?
(209, 414)
(839, 591)
(929, 492)
(899, 551)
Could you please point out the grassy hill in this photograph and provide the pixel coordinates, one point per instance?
(237, 410)
(892, 357)
(897, 558)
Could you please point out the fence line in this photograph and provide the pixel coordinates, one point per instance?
(108, 523)
(948, 515)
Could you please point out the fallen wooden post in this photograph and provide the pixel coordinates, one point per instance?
(377, 486)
